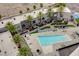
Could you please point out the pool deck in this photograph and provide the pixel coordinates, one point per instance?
(51, 50)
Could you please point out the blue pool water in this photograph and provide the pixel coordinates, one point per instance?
(48, 40)
(75, 15)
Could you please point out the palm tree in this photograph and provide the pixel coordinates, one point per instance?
(41, 5)
(49, 13)
(28, 9)
(20, 12)
(24, 51)
(17, 38)
(40, 16)
(60, 7)
(29, 19)
(59, 4)
(34, 6)
(11, 28)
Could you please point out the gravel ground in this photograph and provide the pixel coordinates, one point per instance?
(11, 9)
(73, 6)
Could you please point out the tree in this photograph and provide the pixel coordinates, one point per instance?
(29, 19)
(49, 13)
(17, 38)
(28, 9)
(65, 22)
(11, 28)
(60, 7)
(40, 15)
(34, 7)
(41, 5)
(20, 12)
(24, 51)
(59, 4)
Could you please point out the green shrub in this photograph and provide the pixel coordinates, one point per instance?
(70, 25)
(65, 22)
(34, 32)
(24, 51)
(77, 20)
(28, 9)
(45, 27)
(34, 7)
(11, 28)
(20, 12)
(41, 5)
(17, 38)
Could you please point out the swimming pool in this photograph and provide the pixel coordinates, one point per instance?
(51, 39)
(75, 15)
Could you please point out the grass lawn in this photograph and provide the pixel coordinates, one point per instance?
(33, 32)
(47, 27)
(77, 20)
(70, 25)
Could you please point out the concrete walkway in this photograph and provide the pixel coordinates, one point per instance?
(7, 45)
